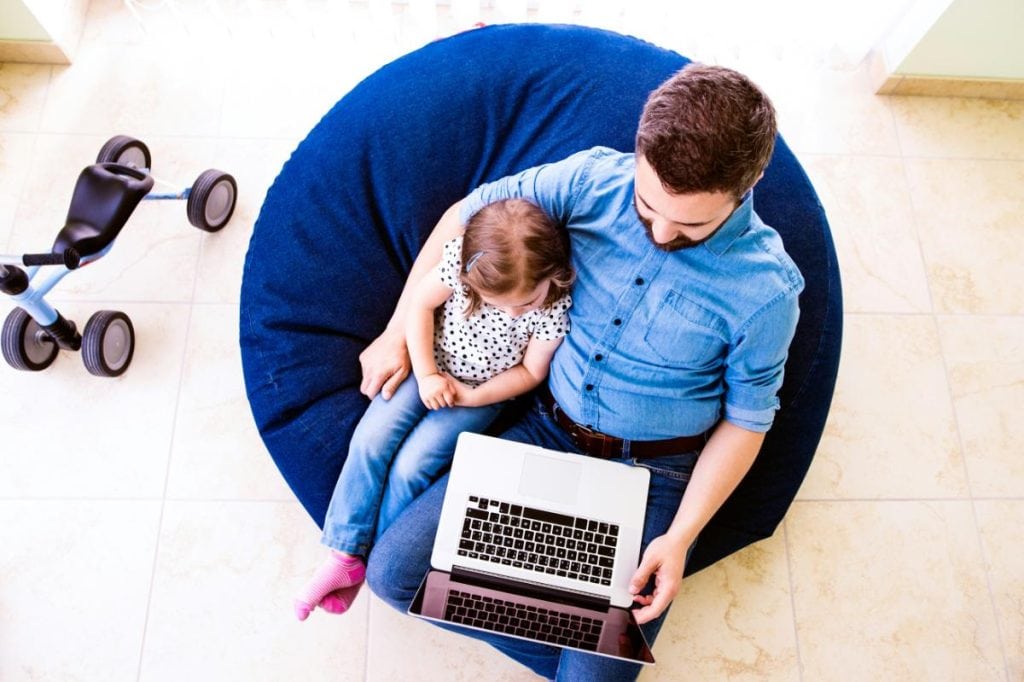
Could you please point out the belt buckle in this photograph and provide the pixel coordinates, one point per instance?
(606, 451)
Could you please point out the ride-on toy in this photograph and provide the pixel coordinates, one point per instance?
(106, 194)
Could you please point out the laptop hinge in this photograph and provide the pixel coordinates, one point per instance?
(529, 588)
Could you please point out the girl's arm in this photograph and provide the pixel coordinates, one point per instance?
(385, 362)
(514, 381)
(436, 390)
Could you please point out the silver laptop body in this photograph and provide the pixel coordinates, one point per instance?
(539, 545)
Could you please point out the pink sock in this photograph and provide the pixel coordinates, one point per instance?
(338, 571)
(341, 600)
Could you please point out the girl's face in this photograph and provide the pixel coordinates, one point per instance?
(517, 303)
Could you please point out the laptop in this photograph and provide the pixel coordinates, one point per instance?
(539, 545)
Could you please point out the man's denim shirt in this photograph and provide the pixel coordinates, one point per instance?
(661, 344)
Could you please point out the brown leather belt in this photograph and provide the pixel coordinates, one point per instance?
(597, 444)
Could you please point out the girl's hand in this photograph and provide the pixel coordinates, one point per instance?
(465, 396)
(437, 391)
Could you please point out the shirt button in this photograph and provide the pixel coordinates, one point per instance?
(639, 280)
(590, 387)
(599, 357)
(616, 322)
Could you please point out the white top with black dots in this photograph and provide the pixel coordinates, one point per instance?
(491, 341)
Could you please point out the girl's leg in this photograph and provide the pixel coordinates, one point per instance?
(426, 453)
(402, 557)
(351, 517)
(355, 504)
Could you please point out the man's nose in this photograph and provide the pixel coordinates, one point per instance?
(662, 232)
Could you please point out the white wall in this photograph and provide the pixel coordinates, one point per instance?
(17, 22)
(972, 39)
(959, 39)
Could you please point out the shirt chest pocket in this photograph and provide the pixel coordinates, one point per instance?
(684, 334)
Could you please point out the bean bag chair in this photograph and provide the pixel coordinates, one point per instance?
(344, 220)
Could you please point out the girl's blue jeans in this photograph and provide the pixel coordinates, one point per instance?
(401, 557)
(397, 450)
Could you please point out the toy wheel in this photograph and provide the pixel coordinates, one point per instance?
(212, 200)
(26, 345)
(108, 343)
(126, 151)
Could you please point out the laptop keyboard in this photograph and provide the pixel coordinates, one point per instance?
(510, 618)
(537, 540)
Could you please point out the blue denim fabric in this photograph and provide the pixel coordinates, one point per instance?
(398, 449)
(662, 344)
(401, 557)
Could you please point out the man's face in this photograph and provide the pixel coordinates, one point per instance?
(677, 221)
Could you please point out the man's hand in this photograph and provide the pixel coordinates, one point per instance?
(385, 364)
(437, 391)
(665, 558)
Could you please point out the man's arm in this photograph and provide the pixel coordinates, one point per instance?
(723, 463)
(385, 362)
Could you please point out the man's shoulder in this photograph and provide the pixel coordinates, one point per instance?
(771, 261)
(604, 167)
(608, 156)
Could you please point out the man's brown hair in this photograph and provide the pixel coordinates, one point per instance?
(707, 129)
(511, 246)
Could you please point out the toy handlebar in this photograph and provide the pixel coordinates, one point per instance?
(69, 259)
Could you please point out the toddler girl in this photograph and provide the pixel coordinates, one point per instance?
(481, 328)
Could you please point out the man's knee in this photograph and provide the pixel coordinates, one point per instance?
(386, 578)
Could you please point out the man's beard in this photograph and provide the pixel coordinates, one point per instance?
(677, 244)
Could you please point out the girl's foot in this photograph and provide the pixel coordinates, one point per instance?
(338, 571)
(341, 600)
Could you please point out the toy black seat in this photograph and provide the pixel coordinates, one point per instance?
(105, 196)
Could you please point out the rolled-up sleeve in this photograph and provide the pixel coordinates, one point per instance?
(755, 364)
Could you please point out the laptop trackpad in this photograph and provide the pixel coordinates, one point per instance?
(550, 479)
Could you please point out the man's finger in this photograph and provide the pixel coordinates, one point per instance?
(371, 385)
(654, 609)
(392, 384)
(642, 574)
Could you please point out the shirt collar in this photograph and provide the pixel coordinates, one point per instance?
(733, 227)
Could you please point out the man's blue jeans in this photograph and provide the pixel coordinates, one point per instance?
(401, 556)
(397, 450)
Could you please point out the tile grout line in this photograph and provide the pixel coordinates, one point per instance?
(861, 500)
(272, 500)
(872, 313)
(369, 633)
(170, 457)
(792, 600)
(184, 500)
(974, 508)
(913, 157)
(913, 208)
(952, 402)
(32, 155)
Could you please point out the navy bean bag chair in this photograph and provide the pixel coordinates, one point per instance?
(344, 220)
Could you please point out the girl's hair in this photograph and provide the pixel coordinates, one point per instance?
(511, 246)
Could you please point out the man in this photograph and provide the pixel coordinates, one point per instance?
(683, 310)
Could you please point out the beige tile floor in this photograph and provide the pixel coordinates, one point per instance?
(146, 535)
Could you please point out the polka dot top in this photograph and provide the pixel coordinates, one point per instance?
(489, 342)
